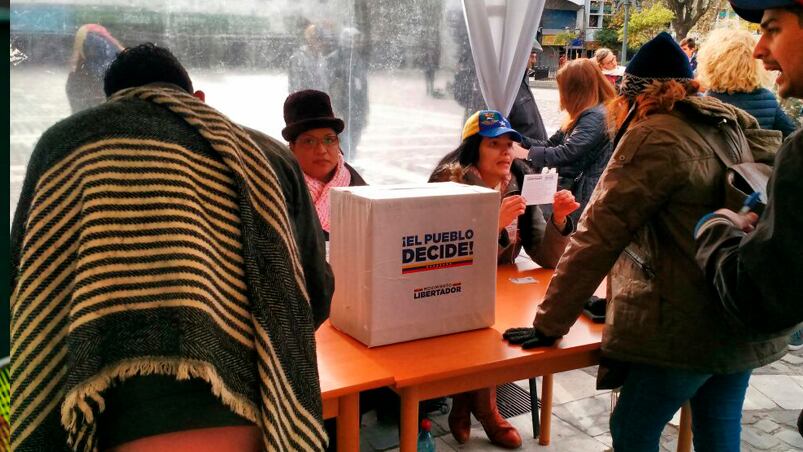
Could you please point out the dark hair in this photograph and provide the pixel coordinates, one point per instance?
(798, 11)
(688, 42)
(468, 153)
(144, 64)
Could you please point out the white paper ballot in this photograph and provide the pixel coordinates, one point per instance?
(539, 188)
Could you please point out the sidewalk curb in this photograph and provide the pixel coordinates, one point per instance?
(544, 84)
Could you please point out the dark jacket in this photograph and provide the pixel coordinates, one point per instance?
(662, 311)
(85, 83)
(759, 274)
(541, 241)
(348, 89)
(579, 155)
(763, 105)
(275, 149)
(524, 115)
(319, 277)
(356, 179)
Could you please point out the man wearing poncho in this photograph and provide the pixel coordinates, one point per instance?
(156, 249)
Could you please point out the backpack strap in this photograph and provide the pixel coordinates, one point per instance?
(733, 155)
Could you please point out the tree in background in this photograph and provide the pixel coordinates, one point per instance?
(708, 19)
(608, 35)
(564, 38)
(688, 12)
(644, 24)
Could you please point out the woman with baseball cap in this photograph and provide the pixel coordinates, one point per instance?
(485, 158)
(581, 148)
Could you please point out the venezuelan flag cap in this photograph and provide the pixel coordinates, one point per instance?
(489, 123)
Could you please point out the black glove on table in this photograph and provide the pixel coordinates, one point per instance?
(596, 305)
(528, 337)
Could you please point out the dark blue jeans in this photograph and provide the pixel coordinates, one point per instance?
(651, 395)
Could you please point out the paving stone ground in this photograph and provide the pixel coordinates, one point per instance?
(580, 415)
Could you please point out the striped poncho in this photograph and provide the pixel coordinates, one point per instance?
(157, 244)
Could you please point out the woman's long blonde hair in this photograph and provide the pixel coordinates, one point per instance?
(726, 64)
(581, 86)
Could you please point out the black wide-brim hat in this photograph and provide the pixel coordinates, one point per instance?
(306, 110)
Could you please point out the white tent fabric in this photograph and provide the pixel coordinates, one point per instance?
(501, 34)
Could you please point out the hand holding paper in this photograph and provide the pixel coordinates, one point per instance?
(512, 207)
(540, 188)
(563, 205)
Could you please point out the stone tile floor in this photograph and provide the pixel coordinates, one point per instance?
(580, 416)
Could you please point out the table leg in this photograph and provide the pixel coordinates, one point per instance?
(408, 431)
(546, 409)
(534, 414)
(348, 423)
(684, 433)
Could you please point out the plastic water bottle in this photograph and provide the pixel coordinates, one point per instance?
(425, 441)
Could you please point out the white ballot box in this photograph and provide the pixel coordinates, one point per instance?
(413, 261)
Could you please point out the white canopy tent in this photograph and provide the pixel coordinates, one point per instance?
(501, 34)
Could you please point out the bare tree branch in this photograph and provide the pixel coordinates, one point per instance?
(688, 12)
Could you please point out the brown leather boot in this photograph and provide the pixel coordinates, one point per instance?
(499, 431)
(460, 417)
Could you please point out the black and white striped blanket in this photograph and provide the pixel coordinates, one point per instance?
(143, 254)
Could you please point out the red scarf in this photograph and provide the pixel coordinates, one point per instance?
(320, 191)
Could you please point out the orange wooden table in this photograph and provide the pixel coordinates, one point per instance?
(345, 370)
(439, 366)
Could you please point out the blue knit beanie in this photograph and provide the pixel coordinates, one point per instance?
(660, 59)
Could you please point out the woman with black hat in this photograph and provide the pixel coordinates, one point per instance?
(663, 327)
(312, 133)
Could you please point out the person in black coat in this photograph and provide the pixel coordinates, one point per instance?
(524, 115)
(755, 262)
(93, 51)
(580, 149)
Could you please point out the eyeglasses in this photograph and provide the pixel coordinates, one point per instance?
(312, 142)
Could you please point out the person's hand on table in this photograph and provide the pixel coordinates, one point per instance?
(563, 204)
(528, 338)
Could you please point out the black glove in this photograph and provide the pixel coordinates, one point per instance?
(596, 305)
(528, 337)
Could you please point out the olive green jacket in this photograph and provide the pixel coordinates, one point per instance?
(663, 176)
